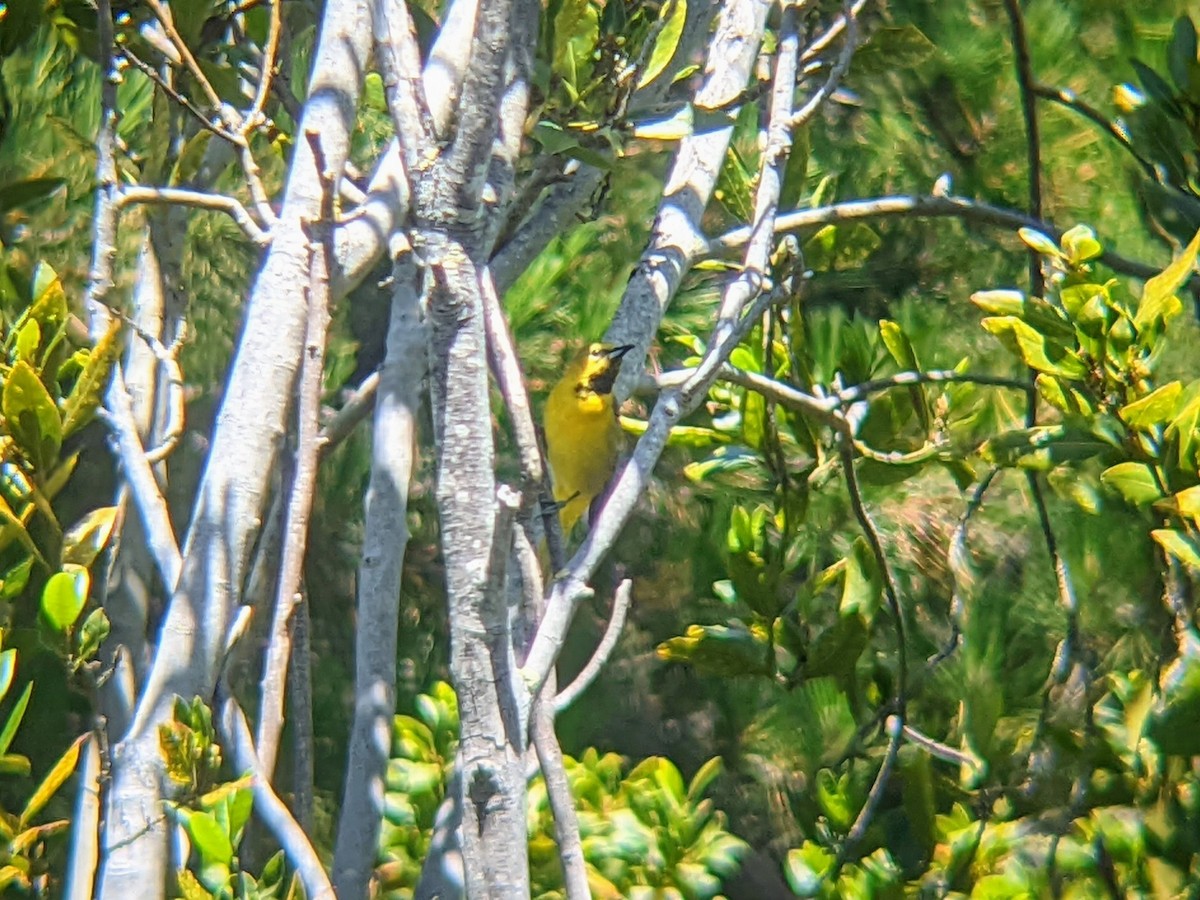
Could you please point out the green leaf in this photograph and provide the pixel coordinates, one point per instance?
(373, 94)
(898, 345)
(85, 539)
(15, 579)
(212, 845)
(54, 779)
(1134, 481)
(1181, 56)
(84, 399)
(1179, 544)
(15, 764)
(1059, 394)
(190, 157)
(754, 419)
(704, 776)
(49, 307)
(834, 796)
(29, 338)
(14, 526)
(720, 649)
(735, 186)
(32, 416)
(892, 48)
(190, 888)
(863, 588)
(576, 30)
(673, 15)
(64, 597)
(17, 194)
(92, 633)
(1172, 725)
(1035, 349)
(807, 867)
(1159, 302)
(1041, 448)
(1156, 408)
(1081, 245)
(1042, 243)
(1000, 303)
(14, 719)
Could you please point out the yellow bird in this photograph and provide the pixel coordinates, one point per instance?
(583, 437)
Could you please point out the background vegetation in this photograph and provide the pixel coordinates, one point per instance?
(1044, 578)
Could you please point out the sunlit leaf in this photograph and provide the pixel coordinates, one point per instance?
(64, 597)
(1179, 544)
(1035, 349)
(84, 540)
(720, 649)
(54, 779)
(673, 16)
(14, 719)
(1134, 481)
(1042, 243)
(84, 399)
(1158, 296)
(1156, 408)
(32, 416)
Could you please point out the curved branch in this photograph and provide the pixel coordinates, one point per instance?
(604, 649)
(931, 206)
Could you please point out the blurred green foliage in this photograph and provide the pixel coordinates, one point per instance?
(760, 634)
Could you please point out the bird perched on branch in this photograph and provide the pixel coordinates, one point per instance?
(583, 437)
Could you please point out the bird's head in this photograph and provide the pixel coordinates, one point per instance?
(599, 366)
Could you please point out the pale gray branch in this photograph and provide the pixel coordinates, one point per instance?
(148, 497)
(267, 806)
(302, 489)
(743, 300)
(231, 494)
(385, 537)
(138, 194)
(448, 60)
(677, 238)
(85, 826)
(924, 207)
(600, 657)
(399, 60)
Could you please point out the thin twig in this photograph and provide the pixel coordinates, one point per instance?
(304, 481)
(801, 117)
(890, 588)
(254, 116)
(399, 60)
(267, 805)
(604, 649)
(894, 727)
(506, 367)
(925, 207)
(198, 199)
(939, 750)
(558, 792)
(300, 715)
(933, 376)
(168, 25)
(958, 561)
(168, 358)
(1068, 98)
(147, 495)
(1033, 144)
(817, 46)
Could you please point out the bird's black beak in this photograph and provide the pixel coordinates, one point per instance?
(616, 353)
